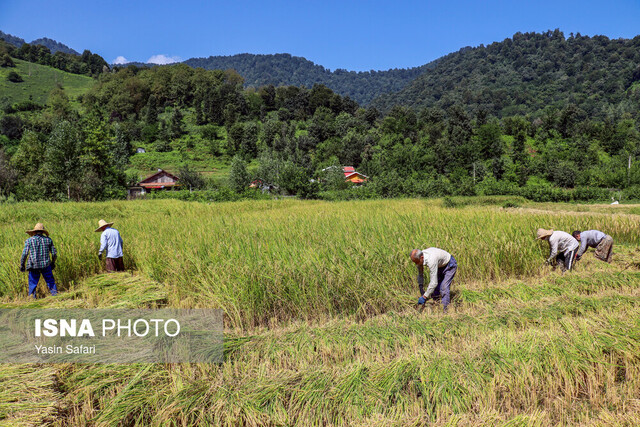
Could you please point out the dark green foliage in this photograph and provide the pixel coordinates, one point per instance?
(151, 110)
(288, 136)
(238, 176)
(122, 149)
(176, 127)
(579, 75)
(448, 202)
(190, 178)
(6, 61)
(22, 106)
(88, 63)
(14, 77)
(11, 126)
(8, 175)
(284, 69)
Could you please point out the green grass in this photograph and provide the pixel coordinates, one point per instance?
(320, 327)
(39, 80)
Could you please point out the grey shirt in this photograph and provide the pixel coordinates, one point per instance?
(590, 239)
(563, 242)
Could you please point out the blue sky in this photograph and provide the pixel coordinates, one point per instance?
(354, 35)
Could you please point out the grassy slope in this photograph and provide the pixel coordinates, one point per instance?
(38, 85)
(543, 349)
(198, 157)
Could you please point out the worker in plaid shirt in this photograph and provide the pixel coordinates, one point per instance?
(36, 255)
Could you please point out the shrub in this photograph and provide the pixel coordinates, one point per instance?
(510, 204)
(631, 193)
(14, 77)
(447, 202)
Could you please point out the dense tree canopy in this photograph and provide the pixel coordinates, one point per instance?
(529, 73)
(286, 70)
(87, 63)
(286, 138)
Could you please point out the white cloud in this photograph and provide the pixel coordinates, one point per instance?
(163, 59)
(120, 60)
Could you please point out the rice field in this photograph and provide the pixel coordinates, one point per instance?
(320, 327)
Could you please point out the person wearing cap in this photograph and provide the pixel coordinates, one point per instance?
(111, 242)
(442, 268)
(40, 255)
(562, 247)
(594, 239)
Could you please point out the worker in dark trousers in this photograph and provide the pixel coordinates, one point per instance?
(111, 243)
(39, 258)
(442, 269)
(563, 247)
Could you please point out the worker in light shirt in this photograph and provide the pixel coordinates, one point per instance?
(111, 244)
(442, 269)
(562, 247)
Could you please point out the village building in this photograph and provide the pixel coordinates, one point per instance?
(350, 174)
(159, 181)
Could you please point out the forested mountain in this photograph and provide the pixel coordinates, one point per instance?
(88, 63)
(55, 46)
(12, 40)
(530, 72)
(52, 45)
(284, 69)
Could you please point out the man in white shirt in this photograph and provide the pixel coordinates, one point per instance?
(111, 243)
(563, 247)
(442, 269)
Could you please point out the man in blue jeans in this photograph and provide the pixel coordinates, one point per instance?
(36, 255)
(442, 269)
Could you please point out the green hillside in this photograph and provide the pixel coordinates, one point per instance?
(39, 80)
(530, 72)
(284, 69)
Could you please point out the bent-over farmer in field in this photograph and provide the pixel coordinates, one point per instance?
(37, 249)
(111, 242)
(442, 268)
(594, 239)
(562, 247)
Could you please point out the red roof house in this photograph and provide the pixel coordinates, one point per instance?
(161, 180)
(350, 174)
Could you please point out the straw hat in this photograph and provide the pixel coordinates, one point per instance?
(102, 224)
(542, 233)
(38, 227)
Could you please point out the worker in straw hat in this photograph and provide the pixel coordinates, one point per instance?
(562, 247)
(442, 267)
(39, 254)
(111, 242)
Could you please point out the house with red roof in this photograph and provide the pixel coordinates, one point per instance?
(159, 181)
(351, 175)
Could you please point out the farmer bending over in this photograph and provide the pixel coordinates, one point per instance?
(562, 247)
(36, 254)
(594, 239)
(442, 268)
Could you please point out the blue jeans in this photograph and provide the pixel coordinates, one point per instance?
(34, 278)
(445, 278)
